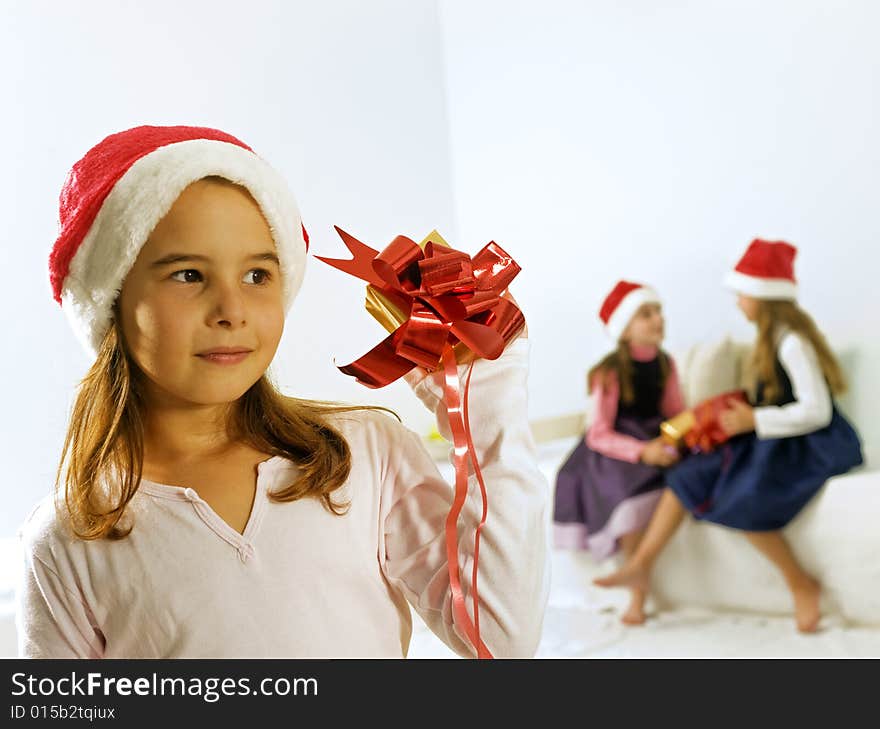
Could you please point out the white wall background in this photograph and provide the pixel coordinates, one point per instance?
(593, 140)
(343, 97)
(635, 139)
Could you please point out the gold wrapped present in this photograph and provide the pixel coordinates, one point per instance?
(674, 430)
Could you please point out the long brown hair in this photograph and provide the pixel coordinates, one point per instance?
(772, 316)
(102, 458)
(619, 362)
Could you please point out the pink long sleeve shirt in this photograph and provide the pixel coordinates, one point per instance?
(605, 396)
(300, 581)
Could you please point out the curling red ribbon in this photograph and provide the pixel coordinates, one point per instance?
(450, 298)
(463, 449)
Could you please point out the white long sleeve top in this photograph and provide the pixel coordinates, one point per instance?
(812, 408)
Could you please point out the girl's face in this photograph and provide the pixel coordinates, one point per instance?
(207, 278)
(748, 306)
(646, 327)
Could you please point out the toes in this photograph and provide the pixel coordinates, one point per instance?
(633, 617)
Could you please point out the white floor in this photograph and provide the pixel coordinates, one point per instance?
(584, 621)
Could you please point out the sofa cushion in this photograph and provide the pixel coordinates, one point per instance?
(710, 368)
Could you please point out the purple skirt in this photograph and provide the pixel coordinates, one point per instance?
(598, 499)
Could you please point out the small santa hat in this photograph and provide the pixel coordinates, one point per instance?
(117, 193)
(621, 305)
(766, 271)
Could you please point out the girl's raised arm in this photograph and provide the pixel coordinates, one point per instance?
(513, 578)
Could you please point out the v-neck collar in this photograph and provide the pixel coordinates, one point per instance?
(243, 542)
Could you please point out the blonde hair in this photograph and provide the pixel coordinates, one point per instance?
(102, 457)
(619, 362)
(773, 315)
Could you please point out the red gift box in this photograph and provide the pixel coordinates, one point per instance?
(707, 433)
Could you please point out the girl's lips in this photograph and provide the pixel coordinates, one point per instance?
(224, 358)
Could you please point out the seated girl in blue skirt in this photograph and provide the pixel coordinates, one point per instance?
(783, 449)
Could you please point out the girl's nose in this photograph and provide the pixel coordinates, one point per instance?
(228, 308)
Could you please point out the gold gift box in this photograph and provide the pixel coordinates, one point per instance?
(391, 316)
(674, 430)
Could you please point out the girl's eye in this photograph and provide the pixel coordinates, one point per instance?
(258, 276)
(189, 275)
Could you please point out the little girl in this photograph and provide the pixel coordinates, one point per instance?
(607, 489)
(789, 443)
(199, 512)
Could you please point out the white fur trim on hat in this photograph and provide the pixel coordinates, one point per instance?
(627, 308)
(780, 289)
(142, 197)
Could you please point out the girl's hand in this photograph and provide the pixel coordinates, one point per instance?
(738, 418)
(659, 453)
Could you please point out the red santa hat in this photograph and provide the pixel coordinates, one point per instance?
(766, 271)
(622, 303)
(117, 193)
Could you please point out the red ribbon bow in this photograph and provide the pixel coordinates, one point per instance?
(451, 298)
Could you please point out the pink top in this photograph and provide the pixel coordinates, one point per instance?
(601, 436)
(302, 582)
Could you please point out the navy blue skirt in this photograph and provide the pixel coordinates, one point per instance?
(761, 485)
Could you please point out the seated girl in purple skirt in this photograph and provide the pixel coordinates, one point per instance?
(607, 489)
(784, 447)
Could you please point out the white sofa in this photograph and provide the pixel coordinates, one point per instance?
(835, 536)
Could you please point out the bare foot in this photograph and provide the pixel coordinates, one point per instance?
(635, 613)
(630, 575)
(806, 605)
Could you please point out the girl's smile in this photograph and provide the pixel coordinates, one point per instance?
(226, 358)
